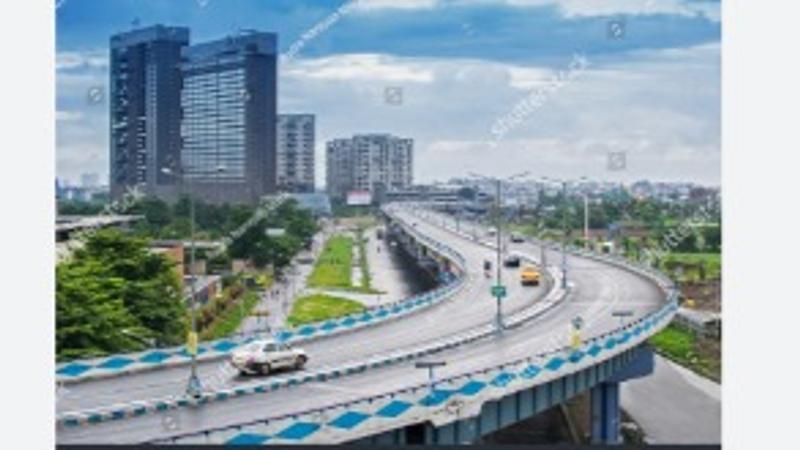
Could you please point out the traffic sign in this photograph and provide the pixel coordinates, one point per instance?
(499, 291)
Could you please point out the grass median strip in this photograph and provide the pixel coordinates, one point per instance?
(320, 307)
(334, 266)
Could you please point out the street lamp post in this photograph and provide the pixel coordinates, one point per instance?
(498, 290)
(194, 387)
(564, 237)
(564, 184)
(499, 314)
(585, 221)
(430, 365)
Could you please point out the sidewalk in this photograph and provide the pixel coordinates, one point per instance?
(674, 405)
(279, 298)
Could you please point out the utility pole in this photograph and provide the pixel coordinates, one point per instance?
(585, 221)
(499, 316)
(564, 237)
(193, 387)
(498, 290)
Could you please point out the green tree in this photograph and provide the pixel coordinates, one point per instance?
(156, 212)
(151, 289)
(91, 318)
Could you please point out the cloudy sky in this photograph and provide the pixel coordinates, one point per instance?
(490, 86)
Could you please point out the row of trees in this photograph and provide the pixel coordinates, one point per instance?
(165, 221)
(625, 212)
(114, 295)
(262, 249)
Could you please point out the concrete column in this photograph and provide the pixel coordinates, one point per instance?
(605, 413)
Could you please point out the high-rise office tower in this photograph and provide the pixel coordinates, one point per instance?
(296, 152)
(144, 102)
(372, 162)
(229, 102)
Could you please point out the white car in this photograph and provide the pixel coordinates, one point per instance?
(265, 356)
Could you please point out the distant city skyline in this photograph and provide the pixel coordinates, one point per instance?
(652, 93)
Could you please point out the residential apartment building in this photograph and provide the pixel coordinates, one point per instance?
(295, 161)
(377, 163)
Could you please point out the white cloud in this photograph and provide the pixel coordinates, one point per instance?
(568, 8)
(371, 5)
(578, 8)
(352, 67)
(661, 107)
(95, 59)
(68, 116)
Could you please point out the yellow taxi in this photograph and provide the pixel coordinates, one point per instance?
(529, 276)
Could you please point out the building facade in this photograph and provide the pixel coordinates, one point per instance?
(229, 103)
(295, 162)
(375, 163)
(145, 110)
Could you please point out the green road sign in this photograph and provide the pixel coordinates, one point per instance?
(498, 291)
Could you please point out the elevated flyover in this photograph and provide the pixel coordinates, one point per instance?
(362, 385)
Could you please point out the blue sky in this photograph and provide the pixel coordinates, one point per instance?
(650, 86)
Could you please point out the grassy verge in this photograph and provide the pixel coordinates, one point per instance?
(333, 267)
(699, 354)
(231, 318)
(366, 277)
(711, 264)
(319, 307)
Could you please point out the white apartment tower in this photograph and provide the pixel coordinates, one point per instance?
(372, 162)
(295, 165)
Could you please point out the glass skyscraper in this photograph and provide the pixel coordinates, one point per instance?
(229, 102)
(208, 112)
(145, 110)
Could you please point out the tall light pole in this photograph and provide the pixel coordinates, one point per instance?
(564, 184)
(585, 221)
(193, 387)
(498, 290)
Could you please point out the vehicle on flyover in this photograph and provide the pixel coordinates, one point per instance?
(512, 261)
(529, 276)
(265, 356)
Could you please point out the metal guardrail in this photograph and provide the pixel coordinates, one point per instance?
(392, 405)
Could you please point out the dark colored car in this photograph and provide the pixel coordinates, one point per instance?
(512, 261)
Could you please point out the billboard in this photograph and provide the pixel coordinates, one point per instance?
(359, 198)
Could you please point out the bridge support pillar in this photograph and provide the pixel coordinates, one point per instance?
(605, 413)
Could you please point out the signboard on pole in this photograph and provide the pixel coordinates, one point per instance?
(499, 291)
(191, 343)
